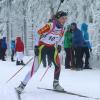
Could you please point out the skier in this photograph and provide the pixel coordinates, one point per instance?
(12, 50)
(19, 51)
(50, 35)
(87, 46)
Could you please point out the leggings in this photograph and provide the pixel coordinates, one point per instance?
(53, 55)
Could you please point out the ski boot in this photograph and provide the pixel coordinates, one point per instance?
(20, 88)
(12, 60)
(3, 59)
(22, 63)
(18, 62)
(56, 86)
(87, 67)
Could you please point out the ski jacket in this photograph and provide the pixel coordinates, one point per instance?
(4, 44)
(84, 29)
(68, 39)
(77, 39)
(19, 45)
(12, 44)
(50, 34)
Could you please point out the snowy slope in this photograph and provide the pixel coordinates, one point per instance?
(86, 82)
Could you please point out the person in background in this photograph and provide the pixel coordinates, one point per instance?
(68, 47)
(19, 51)
(44, 60)
(12, 50)
(0, 47)
(77, 43)
(87, 46)
(4, 48)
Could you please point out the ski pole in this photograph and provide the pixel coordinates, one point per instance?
(44, 73)
(18, 71)
(61, 1)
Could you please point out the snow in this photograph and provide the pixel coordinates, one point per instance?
(86, 82)
(13, 16)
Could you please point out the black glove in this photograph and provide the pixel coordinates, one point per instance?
(59, 48)
(36, 50)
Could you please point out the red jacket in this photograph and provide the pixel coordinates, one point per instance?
(19, 45)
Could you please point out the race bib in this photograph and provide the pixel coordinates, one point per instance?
(50, 38)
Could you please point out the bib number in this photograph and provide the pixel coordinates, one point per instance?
(51, 38)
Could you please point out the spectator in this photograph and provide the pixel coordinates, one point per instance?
(0, 48)
(4, 48)
(68, 47)
(12, 50)
(87, 47)
(77, 42)
(19, 51)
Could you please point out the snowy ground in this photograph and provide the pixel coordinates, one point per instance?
(86, 82)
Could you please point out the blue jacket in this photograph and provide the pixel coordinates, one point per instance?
(84, 29)
(4, 44)
(12, 44)
(77, 38)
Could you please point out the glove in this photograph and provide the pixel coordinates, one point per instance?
(59, 48)
(36, 50)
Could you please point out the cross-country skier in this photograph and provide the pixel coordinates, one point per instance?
(50, 36)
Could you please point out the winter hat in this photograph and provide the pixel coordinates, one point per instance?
(84, 27)
(13, 41)
(18, 38)
(60, 14)
(74, 24)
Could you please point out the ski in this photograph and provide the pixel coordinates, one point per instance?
(18, 94)
(70, 93)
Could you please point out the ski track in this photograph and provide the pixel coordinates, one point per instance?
(86, 82)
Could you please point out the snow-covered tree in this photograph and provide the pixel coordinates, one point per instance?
(17, 16)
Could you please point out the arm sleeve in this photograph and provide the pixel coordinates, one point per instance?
(35, 38)
(45, 29)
